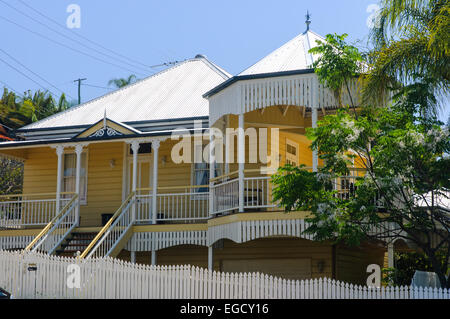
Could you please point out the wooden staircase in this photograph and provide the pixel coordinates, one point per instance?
(76, 241)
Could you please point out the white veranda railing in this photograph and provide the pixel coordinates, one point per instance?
(225, 196)
(173, 204)
(22, 210)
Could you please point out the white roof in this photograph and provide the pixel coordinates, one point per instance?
(293, 55)
(170, 94)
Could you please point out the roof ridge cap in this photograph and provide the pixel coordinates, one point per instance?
(219, 70)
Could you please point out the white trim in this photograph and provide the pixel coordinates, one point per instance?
(124, 171)
(244, 231)
(155, 148)
(241, 160)
(153, 241)
(142, 158)
(302, 90)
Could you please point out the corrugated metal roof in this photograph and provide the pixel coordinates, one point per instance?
(293, 55)
(171, 94)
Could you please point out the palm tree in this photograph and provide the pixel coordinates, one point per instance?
(121, 82)
(411, 45)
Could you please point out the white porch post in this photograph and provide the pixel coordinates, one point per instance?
(59, 153)
(155, 147)
(133, 257)
(135, 148)
(241, 161)
(78, 151)
(153, 258)
(391, 255)
(314, 116)
(225, 146)
(212, 170)
(210, 258)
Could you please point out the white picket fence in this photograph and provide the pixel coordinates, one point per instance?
(113, 278)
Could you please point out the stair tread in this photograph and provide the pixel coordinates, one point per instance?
(71, 244)
(77, 241)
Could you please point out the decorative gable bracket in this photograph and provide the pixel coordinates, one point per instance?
(106, 132)
(107, 128)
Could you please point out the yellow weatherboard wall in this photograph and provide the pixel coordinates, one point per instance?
(40, 168)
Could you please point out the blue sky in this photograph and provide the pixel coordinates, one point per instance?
(233, 34)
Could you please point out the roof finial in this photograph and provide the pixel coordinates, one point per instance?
(308, 20)
(104, 119)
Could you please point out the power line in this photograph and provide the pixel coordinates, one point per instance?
(37, 75)
(84, 38)
(68, 47)
(71, 39)
(17, 70)
(96, 86)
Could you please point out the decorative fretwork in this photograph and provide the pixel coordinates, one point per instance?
(106, 131)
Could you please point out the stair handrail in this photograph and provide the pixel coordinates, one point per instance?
(49, 226)
(107, 226)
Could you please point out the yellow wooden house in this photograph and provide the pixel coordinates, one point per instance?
(143, 174)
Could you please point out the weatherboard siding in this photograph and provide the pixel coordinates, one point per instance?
(352, 262)
(40, 169)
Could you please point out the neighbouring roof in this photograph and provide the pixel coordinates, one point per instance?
(174, 93)
(4, 133)
(441, 200)
(293, 55)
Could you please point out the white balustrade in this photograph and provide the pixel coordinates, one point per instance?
(17, 211)
(225, 196)
(258, 192)
(189, 204)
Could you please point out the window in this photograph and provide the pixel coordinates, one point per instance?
(291, 153)
(144, 148)
(69, 175)
(201, 171)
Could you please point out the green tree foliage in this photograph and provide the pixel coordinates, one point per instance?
(404, 157)
(121, 82)
(406, 264)
(337, 63)
(18, 111)
(11, 176)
